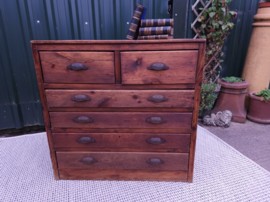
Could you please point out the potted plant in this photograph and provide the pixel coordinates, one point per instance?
(259, 106)
(232, 96)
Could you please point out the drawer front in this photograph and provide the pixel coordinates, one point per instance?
(159, 67)
(123, 160)
(120, 98)
(78, 67)
(115, 120)
(134, 141)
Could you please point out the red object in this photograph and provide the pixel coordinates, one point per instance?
(232, 97)
(259, 110)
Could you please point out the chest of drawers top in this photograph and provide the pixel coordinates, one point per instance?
(126, 62)
(113, 108)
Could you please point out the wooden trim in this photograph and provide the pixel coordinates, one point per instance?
(46, 115)
(196, 110)
(83, 174)
(116, 41)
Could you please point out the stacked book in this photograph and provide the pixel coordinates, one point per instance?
(155, 29)
(149, 28)
(135, 22)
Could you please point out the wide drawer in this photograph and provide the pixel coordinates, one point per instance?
(120, 98)
(115, 120)
(128, 141)
(159, 67)
(123, 160)
(78, 67)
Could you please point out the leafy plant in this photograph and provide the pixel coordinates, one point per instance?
(265, 94)
(232, 79)
(208, 97)
(215, 24)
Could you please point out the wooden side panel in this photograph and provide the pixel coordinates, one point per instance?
(120, 98)
(120, 120)
(124, 141)
(199, 75)
(138, 67)
(123, 160)
(46, 116)
(89, 67)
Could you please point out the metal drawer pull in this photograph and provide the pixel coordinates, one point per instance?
(88, 160)
(158, 66)
(155, 161)
(83, 119)
(155, 120)
(157, 98)
(77, 66)
(86, 140)
(155, 140)
(80, 98)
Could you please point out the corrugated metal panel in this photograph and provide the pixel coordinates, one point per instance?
(238, 41)
(182, 18)
(24, 20)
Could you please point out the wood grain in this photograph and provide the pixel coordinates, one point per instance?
(181, 67)
(123, 141)
(123, 160)
(121, 98)
(120, 120)
(100, 67)
(107, 136)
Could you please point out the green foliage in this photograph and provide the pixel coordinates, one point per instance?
(208, 97)
(215, 24)
(265, 94)
(232, 79)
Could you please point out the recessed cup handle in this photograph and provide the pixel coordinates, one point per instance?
(89, 160)
(158, 66)
(80, 98)
(155, 161)
(83, 119)
(155, 140)
(155, 120)
(86, 140)
(77, 66)
(157, 98)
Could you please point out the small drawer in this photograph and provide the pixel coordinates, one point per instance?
(120, 98)
(125, 141)
(123, 160)
(78, 67)
(118, 120)
(159, 67)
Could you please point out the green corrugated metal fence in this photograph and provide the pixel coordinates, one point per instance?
(24, 20)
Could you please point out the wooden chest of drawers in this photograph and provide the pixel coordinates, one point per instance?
(120, 109)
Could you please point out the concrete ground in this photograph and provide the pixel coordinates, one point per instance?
(251, 139)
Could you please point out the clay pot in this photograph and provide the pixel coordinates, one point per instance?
(258, 110)
(232, 97)
(256, 70)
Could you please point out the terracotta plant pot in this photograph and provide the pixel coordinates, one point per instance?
(256, 70)
(258, 110)
(232, 97)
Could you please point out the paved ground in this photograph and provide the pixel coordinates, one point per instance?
(251, 139)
